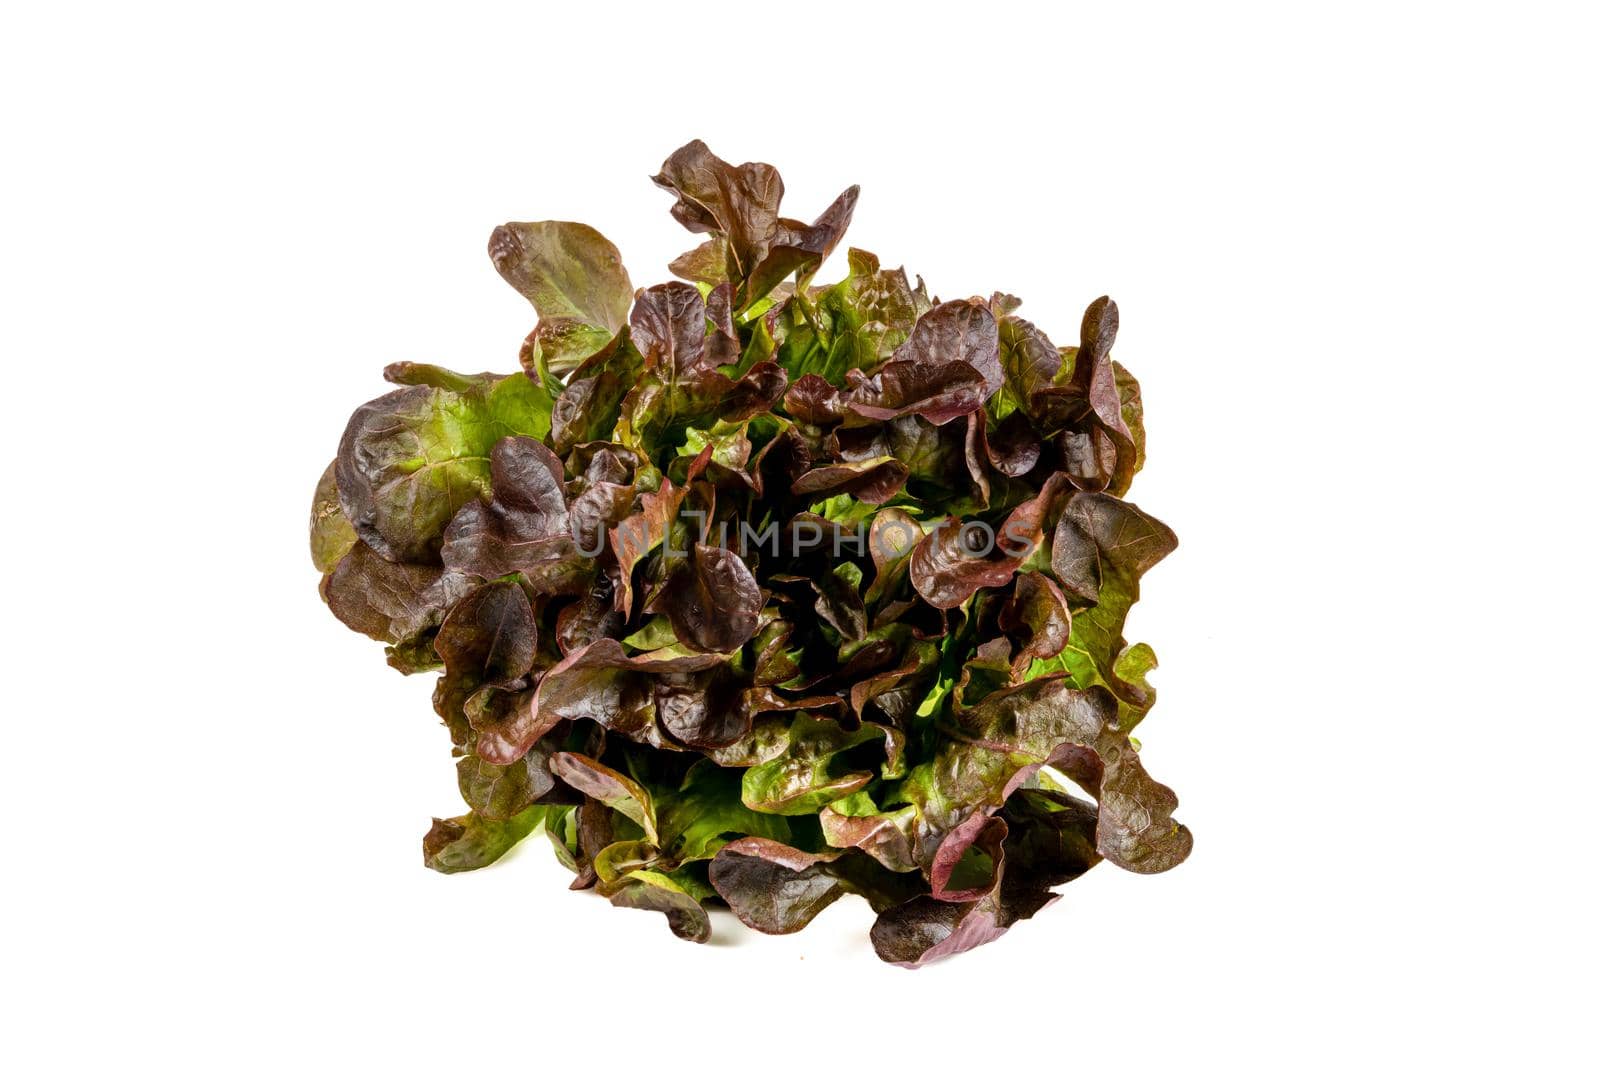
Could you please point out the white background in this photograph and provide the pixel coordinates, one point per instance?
(1355, 252)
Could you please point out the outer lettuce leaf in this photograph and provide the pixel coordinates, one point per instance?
(412, 458)
(1045, 839)
(332, 536)
(497, 792)
(1102, 548)
(739, 207)
(472, 841)
(778, 889)
(575, 279)
(394, 603)
(673, 894)
(993, 748)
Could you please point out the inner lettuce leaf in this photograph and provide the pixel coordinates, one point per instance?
(755, 592)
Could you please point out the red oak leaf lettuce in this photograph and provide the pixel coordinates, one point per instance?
(753, 592)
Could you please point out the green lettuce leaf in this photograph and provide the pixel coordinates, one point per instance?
(575, 279)
(412, 458)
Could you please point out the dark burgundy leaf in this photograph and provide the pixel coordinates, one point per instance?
(957, 559)
(713, 601)
(958, 331)
(387, 601)
(668, 326)
(490, 636)
(874, 481)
